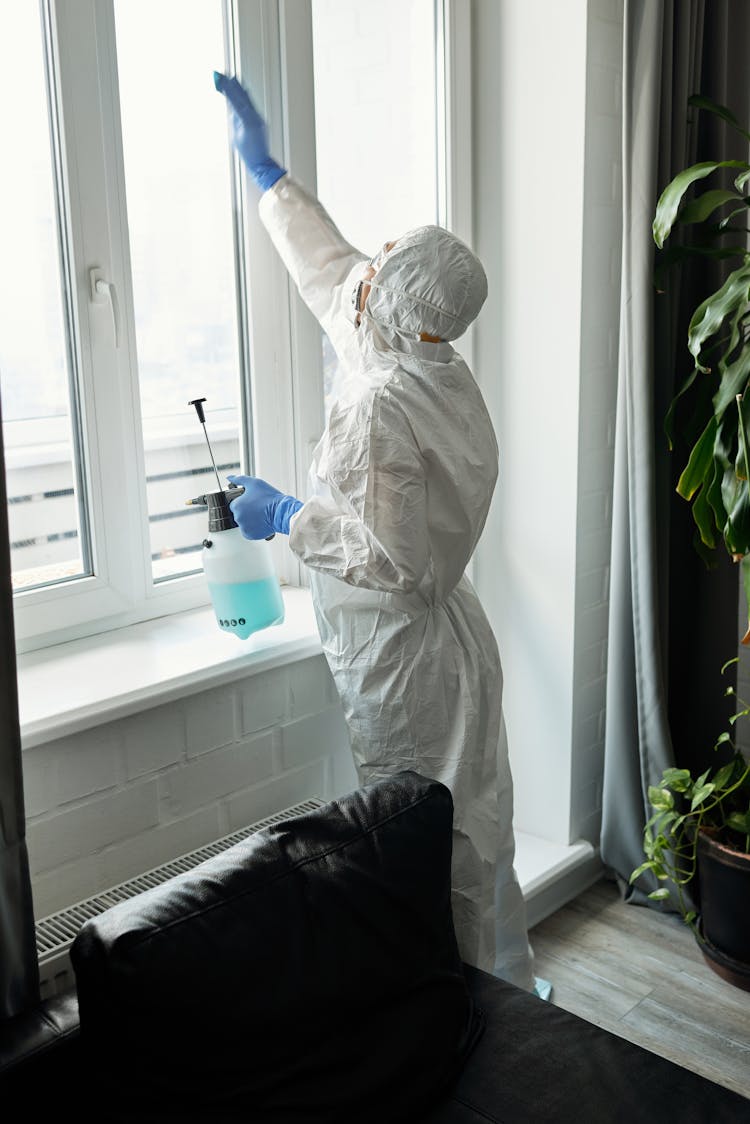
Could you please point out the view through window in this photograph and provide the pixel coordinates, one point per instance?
(48, 535)
(375, 123)
(177, 178)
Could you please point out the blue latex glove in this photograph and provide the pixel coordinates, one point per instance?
(261, 510)
(249, 133)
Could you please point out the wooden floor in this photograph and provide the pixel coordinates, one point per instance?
(640, 974)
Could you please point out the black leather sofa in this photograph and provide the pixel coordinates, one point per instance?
(311, 974)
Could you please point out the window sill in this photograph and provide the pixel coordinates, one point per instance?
(83, 683)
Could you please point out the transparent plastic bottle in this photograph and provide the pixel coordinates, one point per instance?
(242, 581)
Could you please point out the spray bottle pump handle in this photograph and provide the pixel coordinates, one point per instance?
(231, 492)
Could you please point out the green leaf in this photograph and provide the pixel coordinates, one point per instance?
(711, 314)
(713, 492)
(700, 461)
(722, 739)
(704, 517)
(641, 870)
(724, 223)
(690, 917)
(724, 776)
(739, 821)
(659, 895)
(675, 255)
(678, 779)
(737, 527)
(745, 568)
(698, 210)
(661, 798)
(743, 408)
(741, 180)
(700, 794)
(701, 101)
(669, 419)
(734, 378)
(672, 196)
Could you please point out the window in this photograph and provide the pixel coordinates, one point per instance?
(136, 275)
(124, 283)
(376, 146)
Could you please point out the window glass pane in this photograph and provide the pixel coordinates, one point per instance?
(178, 189)
(47, 535)
(375, 121)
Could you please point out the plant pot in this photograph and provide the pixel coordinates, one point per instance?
(724, 877)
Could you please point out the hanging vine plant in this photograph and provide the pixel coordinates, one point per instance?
(716, 478)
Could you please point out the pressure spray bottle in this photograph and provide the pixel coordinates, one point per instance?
(242, 582)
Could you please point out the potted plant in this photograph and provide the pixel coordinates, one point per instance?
(699, 838)
(715, 480)
(697, 842)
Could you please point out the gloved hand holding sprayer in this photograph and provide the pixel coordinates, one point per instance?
(399, 489)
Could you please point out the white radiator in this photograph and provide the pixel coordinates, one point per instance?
(56, 932)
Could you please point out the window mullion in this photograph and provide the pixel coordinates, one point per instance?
(257, 41)
(454, 123)
(299, 148)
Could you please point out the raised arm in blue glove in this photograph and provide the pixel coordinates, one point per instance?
(249, 133)
(261, 510)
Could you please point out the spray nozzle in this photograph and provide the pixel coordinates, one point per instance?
(231, 493)
(220, 516)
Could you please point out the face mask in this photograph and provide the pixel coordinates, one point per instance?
(356, 313)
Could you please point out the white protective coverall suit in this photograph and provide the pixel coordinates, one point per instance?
(399, 490)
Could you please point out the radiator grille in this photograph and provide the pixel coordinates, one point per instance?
(56, 932)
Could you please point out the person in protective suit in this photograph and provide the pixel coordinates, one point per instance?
(400, 486)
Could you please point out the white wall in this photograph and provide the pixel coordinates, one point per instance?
(546, 143)
(123, 797)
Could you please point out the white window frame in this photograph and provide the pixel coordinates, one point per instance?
(274, 54)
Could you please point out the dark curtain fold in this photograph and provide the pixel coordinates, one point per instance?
(19, 972)
(672, 622)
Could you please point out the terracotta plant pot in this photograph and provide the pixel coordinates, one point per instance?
(724, 876)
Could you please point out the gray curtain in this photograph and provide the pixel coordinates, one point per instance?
(672, 623)
(19, 973)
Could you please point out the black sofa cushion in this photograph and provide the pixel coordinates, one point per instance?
(539, 1064)
(309, 973)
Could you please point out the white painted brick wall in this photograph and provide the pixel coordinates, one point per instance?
(123, 797)
(600, 320)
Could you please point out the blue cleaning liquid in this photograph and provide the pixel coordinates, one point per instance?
(246, 607)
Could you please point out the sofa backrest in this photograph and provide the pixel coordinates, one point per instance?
(310, 972)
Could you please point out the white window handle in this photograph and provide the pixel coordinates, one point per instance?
(103, 290)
